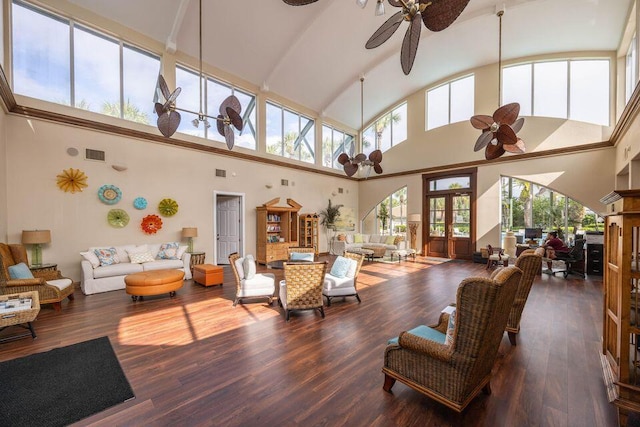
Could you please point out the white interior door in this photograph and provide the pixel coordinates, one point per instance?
(228, 227)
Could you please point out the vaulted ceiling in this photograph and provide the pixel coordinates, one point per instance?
(314, 54)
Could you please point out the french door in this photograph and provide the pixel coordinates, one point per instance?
(449, 229)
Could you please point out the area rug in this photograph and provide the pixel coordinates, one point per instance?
(62, 386)
(419, 259)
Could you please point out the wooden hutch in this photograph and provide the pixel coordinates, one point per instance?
(277, 229)
(621, 322)
(308, 232)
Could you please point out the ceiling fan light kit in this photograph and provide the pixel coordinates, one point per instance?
(499, 131)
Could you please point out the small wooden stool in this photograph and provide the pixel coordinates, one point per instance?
(208, 274)
(154, 282)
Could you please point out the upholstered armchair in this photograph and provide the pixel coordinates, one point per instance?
(51, 286)
(301, 288)
(343, 286)
(248, 283)
(451, 362)
(529, 262)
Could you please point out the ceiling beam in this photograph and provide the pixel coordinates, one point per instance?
(172, 40)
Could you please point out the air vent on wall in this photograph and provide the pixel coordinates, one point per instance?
(97, 155)
(284, 182)
(221, 173)
(340, 190)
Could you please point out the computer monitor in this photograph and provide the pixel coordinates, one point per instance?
(533, 233)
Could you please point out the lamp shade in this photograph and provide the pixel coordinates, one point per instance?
(190, 232)
(33, 237)
(414, 218)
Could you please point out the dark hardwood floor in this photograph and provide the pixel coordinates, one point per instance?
(196, 360)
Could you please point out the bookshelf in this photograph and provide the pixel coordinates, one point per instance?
(308, 231)
(276, 230)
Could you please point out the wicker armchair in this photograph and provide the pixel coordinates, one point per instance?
(453, 374)
(51, 286)
(301, 288)
(342, 286)
(261, 285)
(529, 262)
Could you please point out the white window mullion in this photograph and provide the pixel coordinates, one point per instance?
(533, 79)
(72, 85)
(568, 89)
(122, 102)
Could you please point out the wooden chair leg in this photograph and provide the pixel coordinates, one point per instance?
(487, 389)
(57, 306)
(71, 297)
(512, 338)
(322, 312)
(388, 383)
(358, 298)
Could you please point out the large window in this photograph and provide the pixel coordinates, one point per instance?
(386, 132)
(290, 134)
(450, 103)
(574, 89)
(60, 61)
(334, 143)
(529, 205)
(389, 216)
(213, 93)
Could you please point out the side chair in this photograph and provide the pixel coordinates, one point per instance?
(343, 287)
(451, 362)
(301, 288)
(258, 285)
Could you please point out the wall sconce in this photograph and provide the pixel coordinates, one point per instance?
(36, 238)
(190, 233)
(413, 221)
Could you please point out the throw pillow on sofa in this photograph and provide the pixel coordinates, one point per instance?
(20, 271)
(390, 240)
(168, 251)
(140, 257)
(92, 258)
(357, 238)
(181, 251)
(107, 256)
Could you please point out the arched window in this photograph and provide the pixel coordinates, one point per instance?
(389, 216)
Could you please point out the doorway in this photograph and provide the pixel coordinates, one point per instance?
(449, 213)
(228, 223)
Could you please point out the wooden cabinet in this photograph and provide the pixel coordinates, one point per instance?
(308, 232)
(277, 229)
(621, 321)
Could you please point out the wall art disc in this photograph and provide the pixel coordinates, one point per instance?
(140, 203)
(118, 218)
(109, 194)
(71, 180)
(168, 207)
(151, 224)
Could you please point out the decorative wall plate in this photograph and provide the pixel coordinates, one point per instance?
(109, 194)
(118, 218)
(168, 207)
(72, 180)
(151, 224)
(140, 203)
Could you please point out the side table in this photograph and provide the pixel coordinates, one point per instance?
(197, 258)
(17, 315)
(43, 267)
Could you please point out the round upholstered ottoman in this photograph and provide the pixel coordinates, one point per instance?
(153, 282)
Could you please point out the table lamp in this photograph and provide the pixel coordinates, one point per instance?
(413, 221)
(36, 238)
(190, 233)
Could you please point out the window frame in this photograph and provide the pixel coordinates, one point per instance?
(348, 140)
(448, 85)
(308, 129)
(376, 145)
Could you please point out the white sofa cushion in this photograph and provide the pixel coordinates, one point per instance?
(239, 267)
(116, 270)
(91, 257)
(140, 257)
(161, 264)
(154, 248)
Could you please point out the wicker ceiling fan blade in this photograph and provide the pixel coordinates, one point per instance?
(395, 3)
(483, 140)
(236, 119)
(493, 151)
(220, 125)
(376, 156)
(506, 135)
(517, 148)
(229, 136)
(163, 87)
(159, 108)
(230, 102)
(299, 2)
(361, 157)
(481, 121)
(343, 158)
(517, 125)
(377, 168)
(168, 123)
(410, 44)
(385, 31)
(439, 14)
(507, 114)
(350, 168)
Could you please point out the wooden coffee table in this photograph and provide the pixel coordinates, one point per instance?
(367, 253)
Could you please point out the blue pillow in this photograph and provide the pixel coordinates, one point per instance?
(302, 256)
(340, 267)
(20, 271)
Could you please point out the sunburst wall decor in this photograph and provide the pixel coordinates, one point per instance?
(72, 180)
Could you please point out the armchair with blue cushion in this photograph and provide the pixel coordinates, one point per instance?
(344, 285)
(451, 362)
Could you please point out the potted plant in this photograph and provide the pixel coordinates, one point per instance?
(330, 215)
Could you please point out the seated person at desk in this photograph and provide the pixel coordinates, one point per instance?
(551, 246)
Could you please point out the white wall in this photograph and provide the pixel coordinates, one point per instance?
(3, 176)
(37, 153)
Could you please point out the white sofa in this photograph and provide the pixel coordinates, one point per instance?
(96, 279)
(372, 240)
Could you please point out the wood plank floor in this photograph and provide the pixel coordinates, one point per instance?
(196, 360)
